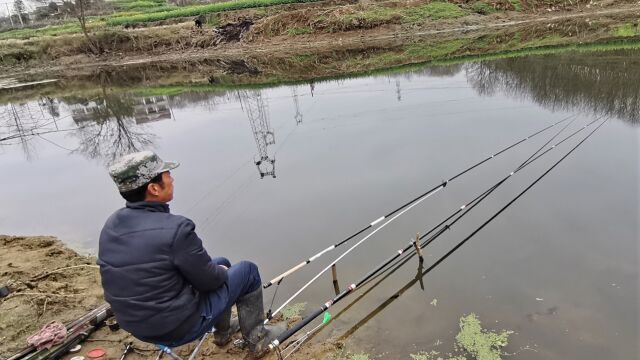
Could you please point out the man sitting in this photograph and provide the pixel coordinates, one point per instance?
(161, 283)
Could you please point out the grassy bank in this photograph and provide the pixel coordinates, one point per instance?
(170, 81)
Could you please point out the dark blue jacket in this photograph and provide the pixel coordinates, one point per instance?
(153, 269)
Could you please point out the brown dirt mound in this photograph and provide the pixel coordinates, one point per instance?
(49, 281)
(38, 294)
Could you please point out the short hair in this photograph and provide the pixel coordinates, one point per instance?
(140, 193)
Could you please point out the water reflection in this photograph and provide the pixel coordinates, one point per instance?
(296, 104)
(257, 111)
(19, 123)
(605, 84)
(112, 125)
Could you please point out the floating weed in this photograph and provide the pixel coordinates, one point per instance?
(340, 355)
(423, 355)
(293, 310)
(434, 355)
(482, 344)
(359, 356)
(473, 340)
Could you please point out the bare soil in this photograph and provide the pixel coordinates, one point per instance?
(48, 281)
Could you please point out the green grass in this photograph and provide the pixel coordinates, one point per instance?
(373, 15)
(299, 31)
(171, 90)
(196, 10)
(54, 30)
(433, 11)
(547, 40)
(482, 8)
(437, 50)
(626, 30)
(517, 5)
(141, 4)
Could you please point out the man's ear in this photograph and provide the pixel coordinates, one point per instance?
(153, 189)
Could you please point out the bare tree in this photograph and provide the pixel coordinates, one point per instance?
(79, 9)
(20, 9)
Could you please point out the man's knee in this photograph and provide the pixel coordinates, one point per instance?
(252, 273)
(221, 261)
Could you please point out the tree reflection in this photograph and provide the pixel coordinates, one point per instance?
(107, 127)
(21, 122)
(602, 83)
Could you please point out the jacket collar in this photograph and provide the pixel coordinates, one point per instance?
(149, 206)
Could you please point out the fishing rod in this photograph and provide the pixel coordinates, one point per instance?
(92, 318)
(295, 268)
(405, 258)
(400, 262)
(284, 336)
(421, 273)
(413, 203)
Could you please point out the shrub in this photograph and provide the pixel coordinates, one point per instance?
(482, 8)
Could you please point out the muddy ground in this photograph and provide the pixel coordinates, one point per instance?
(49, 281)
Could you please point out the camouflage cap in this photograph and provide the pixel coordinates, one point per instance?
(134, 170)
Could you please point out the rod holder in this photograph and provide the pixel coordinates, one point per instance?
(334, 275)
(416, 244)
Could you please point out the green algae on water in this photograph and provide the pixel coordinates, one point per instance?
(293, 310)
(472, 342)
(340, 355)
(482, 344)
(434, 355)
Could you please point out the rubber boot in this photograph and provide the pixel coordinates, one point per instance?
(251, 316)
(224, 328)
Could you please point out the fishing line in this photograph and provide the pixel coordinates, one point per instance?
(54, 143)
(216, 187)
(210, 219)
(352, 287)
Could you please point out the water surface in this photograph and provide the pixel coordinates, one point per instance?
(559, 267)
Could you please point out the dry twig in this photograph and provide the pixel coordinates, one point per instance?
(62, 269)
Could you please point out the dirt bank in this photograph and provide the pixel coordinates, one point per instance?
(49, 281)
(275, 62)
(329, 38)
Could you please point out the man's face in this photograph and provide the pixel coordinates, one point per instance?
(161, 192)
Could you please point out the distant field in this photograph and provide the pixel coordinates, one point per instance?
(139, 11)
